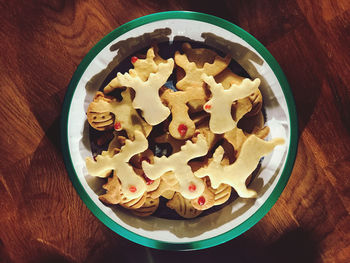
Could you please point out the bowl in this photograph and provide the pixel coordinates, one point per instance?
(237, 216)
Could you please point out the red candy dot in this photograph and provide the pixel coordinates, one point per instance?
(207, 107)
(132, 188)
(134, 59)
(182, 129)
(192, 187)
(117, 126)
(148, 180)
(201, 200)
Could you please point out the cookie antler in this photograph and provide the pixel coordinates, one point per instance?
(190, 186)
(132, 185)
(219, 106)
(237, 173)
(147, 92)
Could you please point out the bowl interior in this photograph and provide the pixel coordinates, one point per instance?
(102, 61)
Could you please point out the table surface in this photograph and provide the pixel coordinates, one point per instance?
(42, 217)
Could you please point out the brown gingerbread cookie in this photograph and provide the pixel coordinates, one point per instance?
(183, 206)
(148, 208)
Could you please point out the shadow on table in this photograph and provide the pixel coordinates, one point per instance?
(294, 246)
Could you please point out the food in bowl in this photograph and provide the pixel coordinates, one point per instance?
(210, 118)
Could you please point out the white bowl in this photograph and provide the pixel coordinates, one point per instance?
(239, 215)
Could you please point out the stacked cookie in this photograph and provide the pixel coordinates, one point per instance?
(210, 154)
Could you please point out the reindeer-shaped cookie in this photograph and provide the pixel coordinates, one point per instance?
(237, 173)
(219, 106)
(143, 67)
(193, 72)
(147, 92)
(132, 185)
(181, 126)
(248, 106)
(189, 186)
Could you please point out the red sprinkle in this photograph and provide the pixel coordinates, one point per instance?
(132, 188)
(182, 129)
(201, 200)
(134, 59)
(117, 126)
(207, 107)
(148, 180)
(192, 187)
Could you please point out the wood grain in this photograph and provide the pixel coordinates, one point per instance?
(42, 217)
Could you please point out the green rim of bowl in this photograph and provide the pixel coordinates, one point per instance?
(287, 169)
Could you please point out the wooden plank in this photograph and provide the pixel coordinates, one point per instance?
(42, 217)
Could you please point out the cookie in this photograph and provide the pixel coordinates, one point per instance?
(211, 138)
(115, 144)
(148, 208)
(190, 186)
(147, 92)
(168, 194)
(250, 105)
(217, 196)
(237, 173)
(219, 106)
(221, 194)
(143, 67)
(256, 100)
(151, 185)
(112, 195)
(199, 56)
(194, 70)
(194, 63)
(261, 132)
(236, 137)
(183, 206)
(105, 113)
(167, 186)
(205, 201)
(210, 153)
(181, 126)
(134, 203)
(132, 185)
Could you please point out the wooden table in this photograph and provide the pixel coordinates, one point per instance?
(42, 217)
